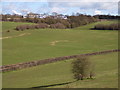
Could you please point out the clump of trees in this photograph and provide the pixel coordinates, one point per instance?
(82, 68)
(58, 26)
(114, 26)
(8, 17)
(41, 25)
(80, 20)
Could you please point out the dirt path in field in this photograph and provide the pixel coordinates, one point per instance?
(23, 34)
(53, 43)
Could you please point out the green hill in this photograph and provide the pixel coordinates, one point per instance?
(59, 75)
(28, 45)
(36, 44)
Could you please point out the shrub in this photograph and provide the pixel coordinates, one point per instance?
(82, 68)
(58, 25)
(41, 25)
(21, 27)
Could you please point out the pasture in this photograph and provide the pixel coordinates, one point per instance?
(37, 44)
(29, 45)
(58, 75)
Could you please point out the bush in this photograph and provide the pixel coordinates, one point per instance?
(82, 68)
(21, 27)
(41, 25)
(58, 25)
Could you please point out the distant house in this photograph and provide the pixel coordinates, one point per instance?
(59, 16)
(43, 15)
(16, 19)
(8, 19)
(33, 15)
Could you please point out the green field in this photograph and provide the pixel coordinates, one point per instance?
(106, 70)
(28, 45)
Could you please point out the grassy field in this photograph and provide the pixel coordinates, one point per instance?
(29, 45)
(59, 75)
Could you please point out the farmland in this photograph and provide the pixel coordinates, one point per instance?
(37, 44)
(60, 73)
(28, 45)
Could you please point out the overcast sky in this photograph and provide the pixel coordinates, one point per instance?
(48, 6)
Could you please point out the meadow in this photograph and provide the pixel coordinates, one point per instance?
(59, 75)
(29, 45)
(37, 44)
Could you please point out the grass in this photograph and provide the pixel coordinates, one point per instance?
(39, 44)
(58, 75)
(36, 44)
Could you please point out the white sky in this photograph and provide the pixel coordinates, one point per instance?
(60, 0)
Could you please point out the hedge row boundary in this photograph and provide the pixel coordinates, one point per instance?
(113, 26)
(14, 67)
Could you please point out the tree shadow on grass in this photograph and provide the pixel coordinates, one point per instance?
(54, 85)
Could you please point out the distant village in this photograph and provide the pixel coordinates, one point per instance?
(34, 15)
(54, 15)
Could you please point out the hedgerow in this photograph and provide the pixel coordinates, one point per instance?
(107, 27)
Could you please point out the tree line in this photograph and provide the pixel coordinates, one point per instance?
(53, 21)
(107, 17)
